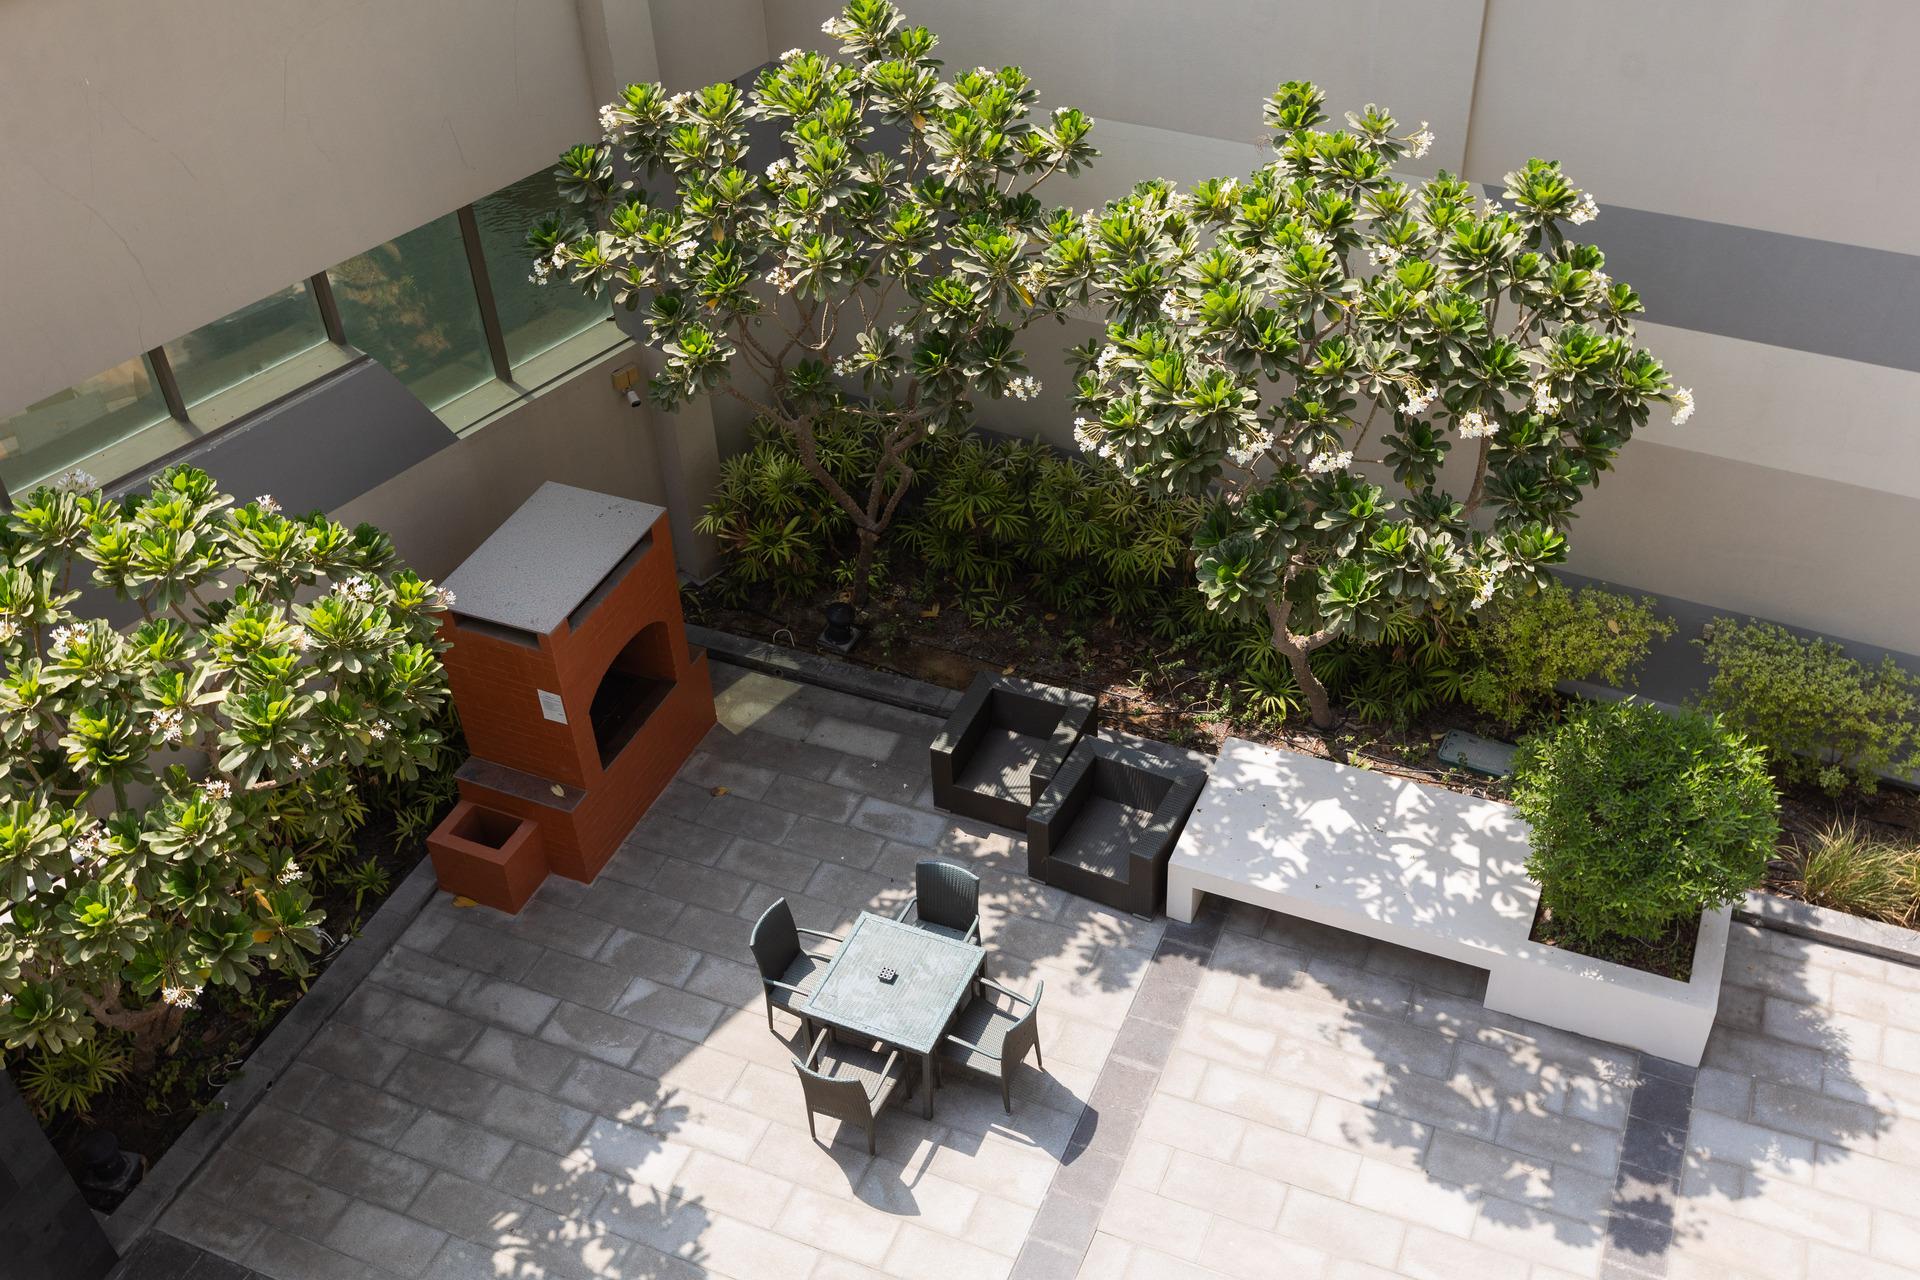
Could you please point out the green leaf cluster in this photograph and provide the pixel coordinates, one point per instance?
(1641, 819)
(161, 781)
(1822, 716)
(1525, 645)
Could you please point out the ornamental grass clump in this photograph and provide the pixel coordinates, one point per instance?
(1641, 821)
(1287, 346)
(160, 782)
(1846, 867)
(883, 228)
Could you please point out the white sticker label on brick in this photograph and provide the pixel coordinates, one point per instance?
(550, 706)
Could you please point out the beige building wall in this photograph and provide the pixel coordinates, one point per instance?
(168, 164)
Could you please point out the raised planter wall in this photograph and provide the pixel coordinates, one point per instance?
(1611, 1002)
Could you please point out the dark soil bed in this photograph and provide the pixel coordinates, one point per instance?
(916, 629)
(1668, 956)
(147, 1112)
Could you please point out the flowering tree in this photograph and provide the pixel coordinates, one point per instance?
(1276, 344)
(158, 783)
(891, 235)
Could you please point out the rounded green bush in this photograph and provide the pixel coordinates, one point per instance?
(1641, 819)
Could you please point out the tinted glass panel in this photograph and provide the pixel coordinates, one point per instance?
(410, 305)
(255, 338)
(532, 317)
(46, 438)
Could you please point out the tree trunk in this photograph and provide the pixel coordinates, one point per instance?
(149, 1029)
(1319, 706)
(863, 567)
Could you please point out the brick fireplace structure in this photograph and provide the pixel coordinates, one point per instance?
(576, 687)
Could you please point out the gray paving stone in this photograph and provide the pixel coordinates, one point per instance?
(535, 1064)
(582, 982)
(769, 864)
(678, 1013)
(821, 801)
(371, 1173)
(361, 1111)
(488, 950)
(716, 888)
(896, 821)
(745, 817)
(414, 1023)
(272, 1133)
(377, 1235)
(1559, 1138)
(505, 1004)
(596, 1034)
(561, 1184)
(692, 841)
(279, 1253)
(341, 1049)
(834, 841)
(212, 1224)
(424, 977)
(444, 1086)
(641, 955)
(534, 1118)
(448, 1143)
(471, 1210)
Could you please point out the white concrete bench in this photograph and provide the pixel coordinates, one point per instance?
(1429, 869)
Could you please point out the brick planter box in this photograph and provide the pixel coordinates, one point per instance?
(489, 856)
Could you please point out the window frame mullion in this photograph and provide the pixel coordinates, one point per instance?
(483, 293)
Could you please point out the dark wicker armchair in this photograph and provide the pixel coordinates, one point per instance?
(990, 1038)
(1107, 824)
(947, 899)
(1003, 744)
(852, 1084)
(788, 972)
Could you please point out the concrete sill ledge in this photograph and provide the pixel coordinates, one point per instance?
(1835, 928)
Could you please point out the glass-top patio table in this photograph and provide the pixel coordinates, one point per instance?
(913, 1009)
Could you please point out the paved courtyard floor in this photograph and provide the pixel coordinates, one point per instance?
(590, 1088)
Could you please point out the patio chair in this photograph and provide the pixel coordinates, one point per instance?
(947, 899)
(990, 1039)
(788, 972)
(1106, 826)
(853, 1085)
(1001, 746)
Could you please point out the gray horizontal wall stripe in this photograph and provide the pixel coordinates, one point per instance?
(1832, 299)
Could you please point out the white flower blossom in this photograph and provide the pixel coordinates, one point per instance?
(86, 845)
(356, 589)
(1682, 403)
(1543, 398)
(1418, 398)
(289, 873)
(180, 997)
(791, 54)
(1585, 211)
(8, 629)
(167, 724)
(1383, 255)
(218, 788)
(1322, 463)
(61, 642)
(686, 249)
(1025, 388)
(445, 597)
(609, 119)
(266, 503)
(1421, 142)
(1475, 425)
(1085, 436)
(298, 638)
(74, 480)
(1248, 452)
(1601, 281)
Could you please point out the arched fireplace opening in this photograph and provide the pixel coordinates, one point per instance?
(638, 680)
